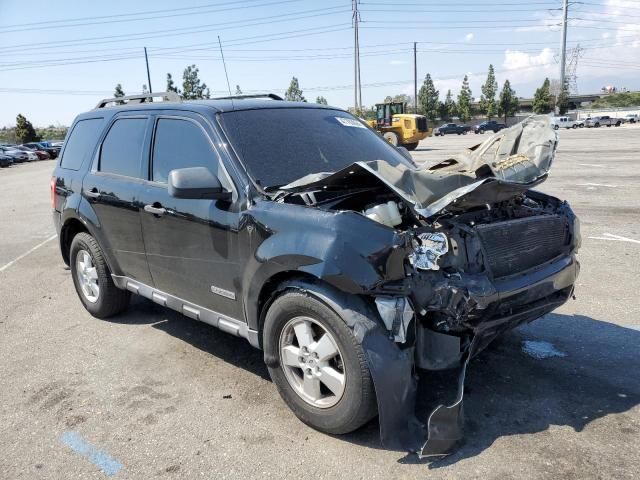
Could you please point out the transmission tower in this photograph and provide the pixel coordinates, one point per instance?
(571, 77)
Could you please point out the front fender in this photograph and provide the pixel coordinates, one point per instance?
(344, 249)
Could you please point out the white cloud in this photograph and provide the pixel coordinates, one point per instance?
(517, 60)
(468, 37)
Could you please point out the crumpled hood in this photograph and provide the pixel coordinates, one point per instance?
(505, 165)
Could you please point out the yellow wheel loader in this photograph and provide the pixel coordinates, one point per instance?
(400, 128)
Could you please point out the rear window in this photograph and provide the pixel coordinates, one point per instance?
(81, 143)
(280, 145)
(122, 147)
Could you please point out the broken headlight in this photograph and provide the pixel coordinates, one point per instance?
(429, 247)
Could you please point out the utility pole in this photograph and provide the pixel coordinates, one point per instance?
(146, 59)
(356, 56)
(415, 78)
(563, 51)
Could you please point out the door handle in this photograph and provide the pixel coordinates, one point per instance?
(93, 193)
(159, 210)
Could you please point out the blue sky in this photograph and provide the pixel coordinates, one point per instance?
(59, 58)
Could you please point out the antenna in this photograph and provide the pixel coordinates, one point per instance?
(225, 71)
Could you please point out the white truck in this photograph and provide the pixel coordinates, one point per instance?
(563, 122)
(603, 120)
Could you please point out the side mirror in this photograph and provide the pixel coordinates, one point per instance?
(405, 153)
(196, 183)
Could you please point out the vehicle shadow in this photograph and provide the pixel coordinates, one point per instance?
(510, 392)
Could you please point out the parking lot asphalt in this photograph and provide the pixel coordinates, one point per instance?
(153, 394)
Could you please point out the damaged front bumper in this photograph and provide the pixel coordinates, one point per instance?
(480, 309)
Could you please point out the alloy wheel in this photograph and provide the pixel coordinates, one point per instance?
(87, 276)
(312, 362)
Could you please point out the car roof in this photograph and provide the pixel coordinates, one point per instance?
(206, 106)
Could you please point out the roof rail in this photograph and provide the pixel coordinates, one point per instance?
(272, 96)
(141, 98)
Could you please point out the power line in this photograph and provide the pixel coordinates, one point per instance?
(172, 11)
(179, 31)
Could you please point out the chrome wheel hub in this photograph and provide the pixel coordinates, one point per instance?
(87, 276)
(312, 362)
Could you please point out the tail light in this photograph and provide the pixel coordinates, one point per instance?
(53, 192)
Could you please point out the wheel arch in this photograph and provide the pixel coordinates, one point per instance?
(357, 313)
(71, 227)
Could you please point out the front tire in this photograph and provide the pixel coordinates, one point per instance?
(322, 372)
(92, 279)
(411, 146)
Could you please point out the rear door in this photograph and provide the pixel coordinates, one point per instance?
(191, 245)
(112, 187)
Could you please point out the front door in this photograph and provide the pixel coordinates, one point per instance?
(191, 245)
(112, 187)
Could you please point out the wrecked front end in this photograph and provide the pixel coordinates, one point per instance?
(481, 253)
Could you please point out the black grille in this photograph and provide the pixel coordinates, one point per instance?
(514, 246)
(421, 123)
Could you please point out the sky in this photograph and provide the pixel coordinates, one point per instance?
(57, 59)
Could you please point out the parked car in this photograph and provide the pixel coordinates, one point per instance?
(41, 154)
(603, 120)
(18, 156)
(579, 123)
(52, 151)
(489, 126)
(563, 122)
(631, 118)
(5, 160)
(451, 128)
(295, 226)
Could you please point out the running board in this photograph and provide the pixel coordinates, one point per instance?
(188, 309)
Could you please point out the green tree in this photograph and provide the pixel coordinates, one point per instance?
(238, 90)
(171, 86)
(508, 101)
(118, 92)
(448, 107)
(192, 87)
(429, 98)
(321, 100)
(403, 98)
(25, 132)
(464, 101)
(293, 93)
(542, 98)
(488, 106)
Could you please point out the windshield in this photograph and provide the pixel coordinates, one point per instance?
(280, 145)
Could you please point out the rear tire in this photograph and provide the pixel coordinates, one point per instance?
(92, 279)
(392, 138)
(322, 410)
(411, 146)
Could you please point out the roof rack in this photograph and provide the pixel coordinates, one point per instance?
(272, 96)
(141, 98)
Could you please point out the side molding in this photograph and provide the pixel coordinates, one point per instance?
(191, 310)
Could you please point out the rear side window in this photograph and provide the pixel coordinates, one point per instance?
(180, 144)
(81, 143)
(122, 147)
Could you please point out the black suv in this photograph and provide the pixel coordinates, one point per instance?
(297, 227)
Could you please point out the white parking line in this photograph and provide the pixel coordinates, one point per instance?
(4, 267)
(615, 238)
(596, 185)
(591, 165)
